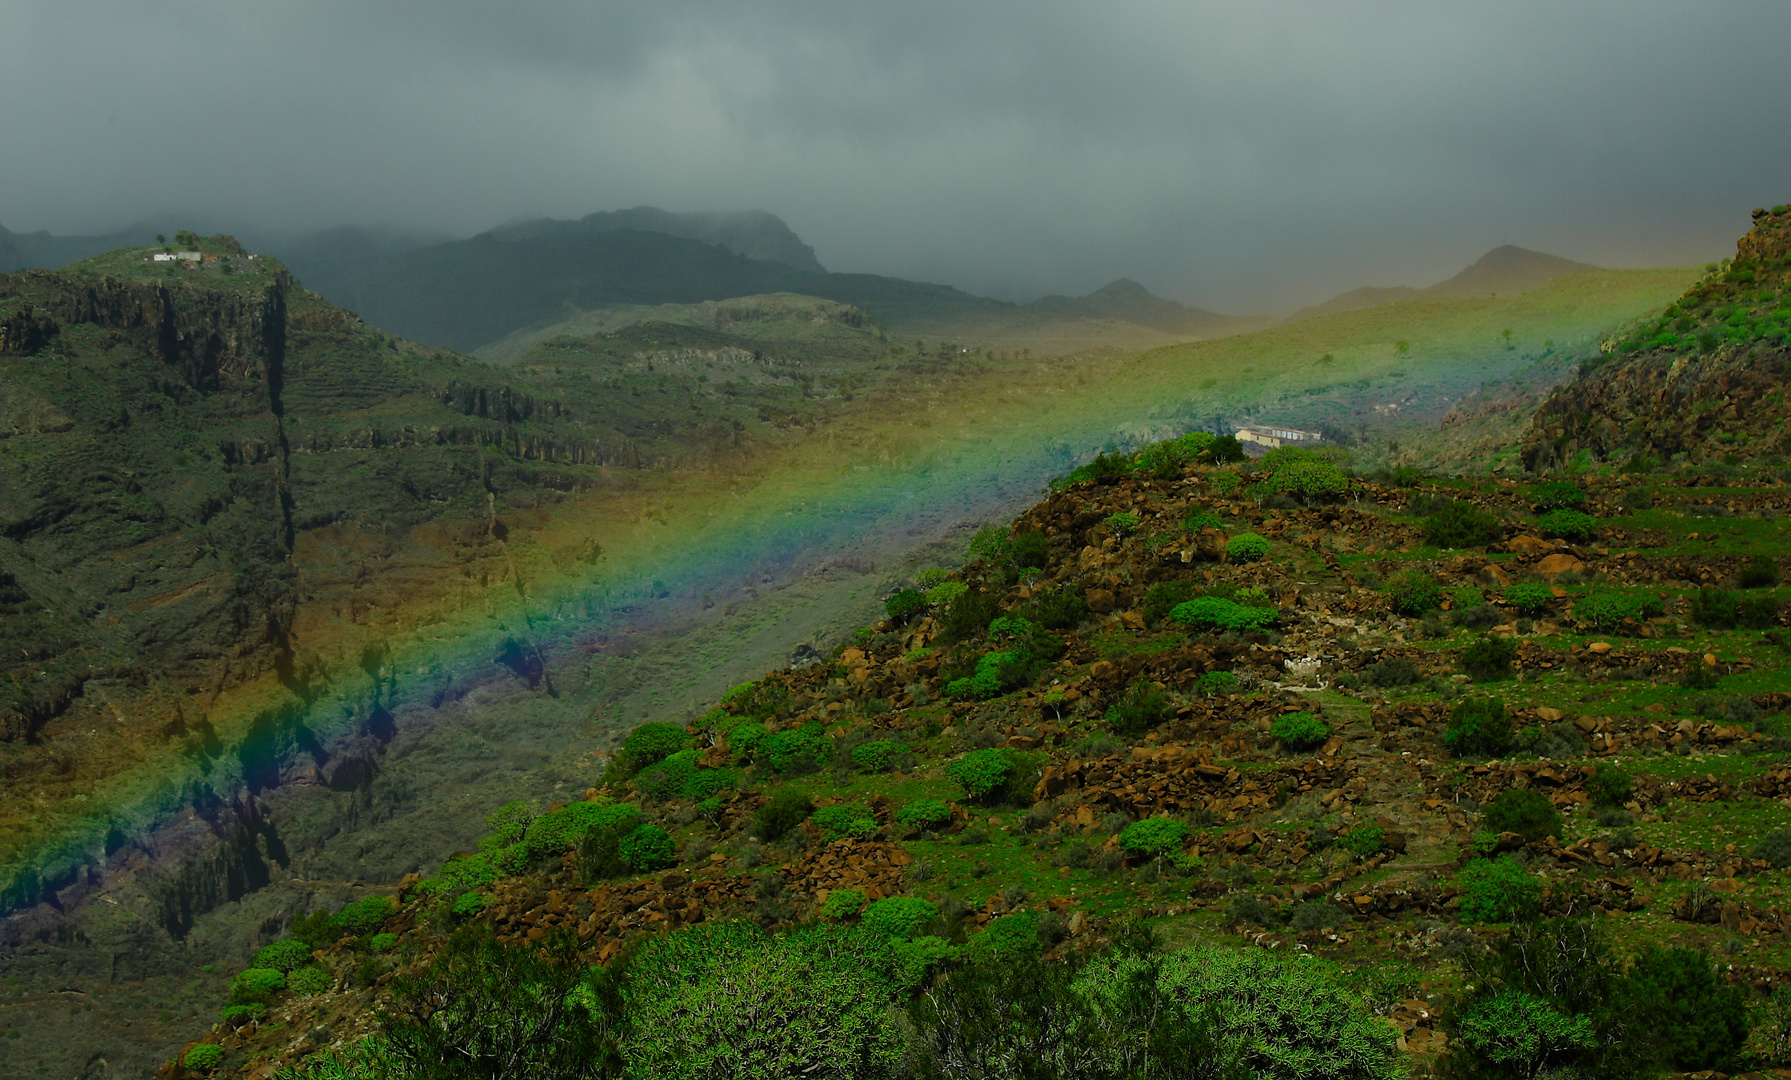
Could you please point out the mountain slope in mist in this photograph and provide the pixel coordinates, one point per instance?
(1507, 269)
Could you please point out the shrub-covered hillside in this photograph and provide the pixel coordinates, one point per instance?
(1199, 767)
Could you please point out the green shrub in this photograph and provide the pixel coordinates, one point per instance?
(648, 847)
(1140, 708)
(1202, 519)
(509, 821)
(1519, 1034)
(1723, 610)
(1217, 613)
(1061, 609)
(1122, 524)
(1393, 671)
(600, 848)
(990, 545)
(759, 699)
(1689, 1017)
(1226, 448)
(1165, 460)
(1160, 599)
(256, 985)
(945, 592)
(1775, 848)
(983, 774)
(1759, 573)
(1478, 727)
(1364, 841)
(1529, 598)
(310, 980)
(1413, 593)
(282, 955)
(904, 605)
(996, 673)
(836, 822)
(783, 812)
(930, 814)
(1216, 682)
(551, 834)
(898, 918)
(842, 904)
(1489, 658)
(363, 916)
(1522, 811)
(1607, 610)
(649, 744)
(466, 905)
(1568, 525)
(1558, 495)
(238, 1015)
(1154, 837)
(382, 941)
(966, 616)
(1300, 730)
(1610, 786)
(1309, 481)
(1499, 890)
(1103, 465)
(745, 741)
(1317, 915)
(1246, 547)
(1461, 525)
(1032, 550)
(680, 776)
(798, 751)
(203, 1057)
(875, 756)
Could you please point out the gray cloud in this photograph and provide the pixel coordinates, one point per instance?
(1237, 156)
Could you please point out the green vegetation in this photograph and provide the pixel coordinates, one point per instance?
(1478, 727)
(1499, 890)
(1300, 730)
(1414, 593)
(1154, 838)
(1529, 598)
(1218, 613)
(983, 774)
(1140, 708)
(1558, 495)
(924, 814)
(1568, 525)
(1461, 525)
(1489, 658)
(203, 1057)
(1609, 610)
(1246, 547)
(1522, 811)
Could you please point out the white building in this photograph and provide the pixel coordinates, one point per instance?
(1277, 436)
(178, 256)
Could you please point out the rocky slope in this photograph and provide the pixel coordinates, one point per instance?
(1704, 380)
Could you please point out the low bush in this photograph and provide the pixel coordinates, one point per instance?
(1300, 730)
(1060, 609)
(842, 904)
(1154, 837)
(996, 673)
(1216, 682)
(1474, 615)
(1608, 610)
(1317, 915)
(282, 955)
(1031, 550)
(1775, 848)
(466, 905)
(600, 848)
(1160, 599)
(1217, 613)
(203, 1057)
(1139, 709)
(1393, 671)
(381, 942)
(1558, 495)
(1689, 1016)
(1202, 519)
(928, 814)
(363, 916)
(1309, 481)
(898, 918)
(1122, 524)
(1478, 727)
(1760, 572)
(1413, 593)
(1529, 598)
(1568, 525)
(648, 847)
(551, 834)
(836, 822)
(238, 1015)
(1499, 890)
(1103, 465)
(1461, 525)
(797, 752)
(309, 980)
(875, 756)
(1609, 785)
(258, 985)
(966, 616)
(1246, 547)
(783, 812)
(1523, 811)
(1489, 658)
(904, 605)
(1364, 841)
(650, 744)
(983, 774)
(945, 592)
(1720, 609)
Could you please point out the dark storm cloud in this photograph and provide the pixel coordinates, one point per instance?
(1239, 156)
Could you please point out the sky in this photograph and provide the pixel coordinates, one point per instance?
(1241, 157)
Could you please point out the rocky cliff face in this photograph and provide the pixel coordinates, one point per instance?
(1705, 379)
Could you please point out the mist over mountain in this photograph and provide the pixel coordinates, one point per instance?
(1504, 269)
(755, 234)
(1126, 299)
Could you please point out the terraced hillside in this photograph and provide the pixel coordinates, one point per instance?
(1271, 708)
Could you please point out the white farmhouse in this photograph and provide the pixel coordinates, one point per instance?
(1277, 436)
(177, 256)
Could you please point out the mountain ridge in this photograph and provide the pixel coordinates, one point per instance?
(1505, 269)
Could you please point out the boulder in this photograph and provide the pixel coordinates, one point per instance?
(1529, 546)
(1557, 564)
(1100, 601)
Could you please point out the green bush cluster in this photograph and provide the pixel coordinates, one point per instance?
(996, 673)
(1720, 609)
(1154, 837)
(600, 842)
(1775, 848)
(797, 751)
(648, 847)
(782, 812)
(1413, 593)
(983, 774)
(1499, 890)
(898, 918)
(1478, 727)
(203, 1057)
(1364, 841)
(904, 605)
(1489, 658)
(1568, 525)
(1104, 464)
(1300, 730)
(1608, 610)
(1218, 613)
(1246, 547)
(256, 985)
(1140, 708)
(842, 904)
(363, 916)
(309, 980)
(282, 955)
(649, 744)
(930, 814)
(1160, 599)
(1031, 550)
(1202, 519)
(1523, 811)
(875, 756)
(1558, 495)
(836, 822)
(1309, 481)
(551, 834)
(1760, 572)
(1529, 598)
(1461, 525)
(1216, 682)
(682, 776)
(1121, 524)
(1609, 785)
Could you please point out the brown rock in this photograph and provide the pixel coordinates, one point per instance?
(1100, 601)
(1492, 575)
(1558, 564)
(1529, 546)
(1102, 669)
(1599, 647)
(1132, 620)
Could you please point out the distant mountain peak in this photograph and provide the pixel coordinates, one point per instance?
(1127, 300)
(1505, 269)
(756, 234)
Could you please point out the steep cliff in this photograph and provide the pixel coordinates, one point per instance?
(1704, 379)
